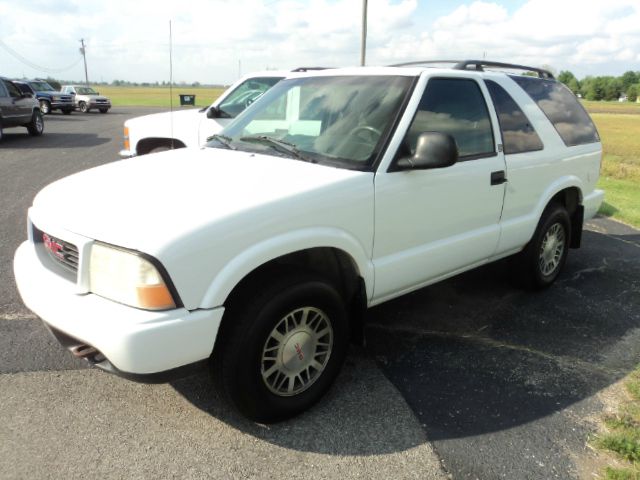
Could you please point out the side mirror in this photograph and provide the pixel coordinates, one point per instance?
(213, 112)
(433, 150)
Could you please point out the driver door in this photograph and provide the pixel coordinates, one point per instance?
(430, 224)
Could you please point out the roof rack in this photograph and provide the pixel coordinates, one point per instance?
(306, 69)
(479, 65)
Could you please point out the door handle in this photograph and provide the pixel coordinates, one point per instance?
(498, 178)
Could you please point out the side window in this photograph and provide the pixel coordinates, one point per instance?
(3, 89)
(518, 135)
(562, 108)
(13, 90)
(245, 94)
(455, 106)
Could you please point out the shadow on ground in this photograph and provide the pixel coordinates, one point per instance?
(488, 368)
(20, 141)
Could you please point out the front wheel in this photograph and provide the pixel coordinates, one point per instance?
(67, 111)
(104, 110)
(45, 107)
(36, 126)
(282, 346)
(84, 108)
(542, 260)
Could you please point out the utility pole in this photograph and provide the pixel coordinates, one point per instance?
(363, 38)
(84, 57)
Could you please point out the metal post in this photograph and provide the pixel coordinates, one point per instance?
(84, 57)
(363, 39)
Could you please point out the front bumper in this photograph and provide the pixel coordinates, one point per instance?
(62, 106)
(133, 341)
(99, 105)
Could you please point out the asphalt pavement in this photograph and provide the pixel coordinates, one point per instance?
(471, 378)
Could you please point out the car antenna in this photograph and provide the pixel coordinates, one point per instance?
(171, 82)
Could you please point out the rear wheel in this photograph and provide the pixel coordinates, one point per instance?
(36, 126)
(45, 107)
(84, 108)
(542, 260)
(282, 346)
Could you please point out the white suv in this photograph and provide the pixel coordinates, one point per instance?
(191, 128)
(335, 191)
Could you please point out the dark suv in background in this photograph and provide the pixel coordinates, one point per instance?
(19, 109)
(48, 97)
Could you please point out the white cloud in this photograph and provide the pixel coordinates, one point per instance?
(129, 40)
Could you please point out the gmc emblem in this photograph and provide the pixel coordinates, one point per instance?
(54, 247)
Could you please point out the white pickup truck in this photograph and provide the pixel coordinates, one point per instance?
(335, 191)
(191, 128)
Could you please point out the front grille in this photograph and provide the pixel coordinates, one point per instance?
(99, 100)
(65, 99)
(62, 253)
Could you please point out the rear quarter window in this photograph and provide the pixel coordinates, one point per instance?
(562, 108)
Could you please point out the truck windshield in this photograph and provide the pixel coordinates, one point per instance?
(335, 120)
(42, 87)
(86, 91)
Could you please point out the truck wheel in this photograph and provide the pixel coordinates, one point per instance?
(542, 260)
(45, 107)
(67, 111)
(84, 108)
(36, 126)
(0, 131)
(104, 110)
(281, 347)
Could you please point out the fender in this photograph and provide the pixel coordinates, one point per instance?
(272, 248)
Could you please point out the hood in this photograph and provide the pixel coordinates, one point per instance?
(92, 97)
(191, 116)
(146, 203)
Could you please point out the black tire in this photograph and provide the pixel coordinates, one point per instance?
(104, 110)
(542, 260)
(45, 107)
(84, 108)
(36, 126)
(251, 320)
(1, 130)
(67, 111)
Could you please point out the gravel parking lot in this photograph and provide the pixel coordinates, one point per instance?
(471, 378)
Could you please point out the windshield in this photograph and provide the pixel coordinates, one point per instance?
(245, 94)
(339, 120)
(86, 91)
(41, 87)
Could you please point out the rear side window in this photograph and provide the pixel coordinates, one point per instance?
(562, 108)
(3, 90)
(457, 107)
(518, 135)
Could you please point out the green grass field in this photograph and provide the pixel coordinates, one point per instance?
(157, 96)
(619, 128)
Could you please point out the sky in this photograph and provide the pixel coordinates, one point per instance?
(215, 41)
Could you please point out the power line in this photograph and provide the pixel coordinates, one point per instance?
(35, 66)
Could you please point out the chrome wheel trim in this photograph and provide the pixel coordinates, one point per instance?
(39, 123)
(296, 351)
(552, 249)
(44, 107)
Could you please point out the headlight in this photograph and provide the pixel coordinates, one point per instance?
(127, 278)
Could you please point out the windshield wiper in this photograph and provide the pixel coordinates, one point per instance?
(223, 139)
(281, 145)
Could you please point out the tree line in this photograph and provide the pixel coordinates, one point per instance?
(603, 88)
